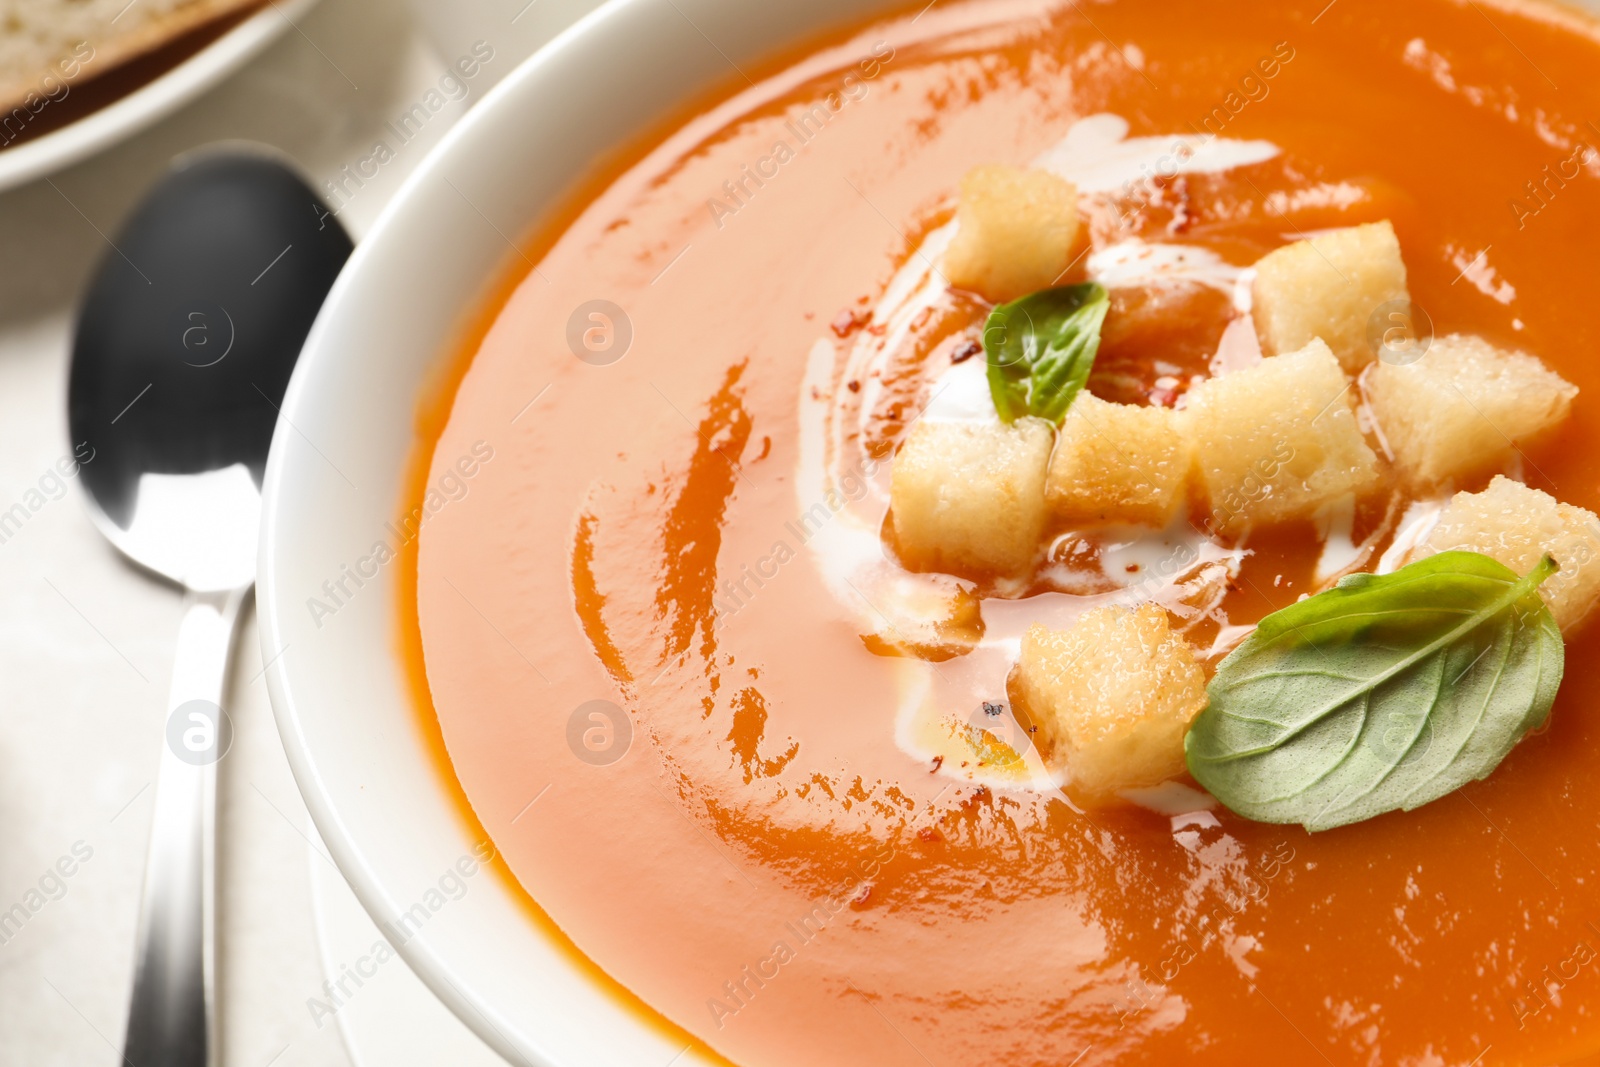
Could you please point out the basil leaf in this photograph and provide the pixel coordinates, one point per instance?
(1382, 693)
(1041, 348)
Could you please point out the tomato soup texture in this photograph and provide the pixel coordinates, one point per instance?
(668, 607)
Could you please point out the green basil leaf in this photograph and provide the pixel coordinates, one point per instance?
(1382, 693)
(1041, 348)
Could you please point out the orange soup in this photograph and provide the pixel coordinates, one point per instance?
(773, 780)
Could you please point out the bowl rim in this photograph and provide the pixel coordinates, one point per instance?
(632, 104)
(274, 602)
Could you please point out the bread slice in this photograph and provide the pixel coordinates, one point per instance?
(50, 43)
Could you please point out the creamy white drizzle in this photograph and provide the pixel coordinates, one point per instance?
(1366, 417)
(1341, 554)
(1238, 349)
(961, 394)
(1098, 156)
(1415, 526)
(1227, 639)
(1335, 525)
(1179, 568)
(1184, 803)
(1133, 262)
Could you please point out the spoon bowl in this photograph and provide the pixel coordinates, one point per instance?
(183, 350)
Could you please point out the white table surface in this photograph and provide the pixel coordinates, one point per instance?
(87, 644)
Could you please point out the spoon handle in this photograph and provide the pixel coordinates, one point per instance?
(172, 1020)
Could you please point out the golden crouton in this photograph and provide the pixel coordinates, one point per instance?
(1015, 232)
(1278, 440)
(1517, 525)
(969, 496)
(1463, 406)
(1111, 697)
(1328, 287)
(1118, 463)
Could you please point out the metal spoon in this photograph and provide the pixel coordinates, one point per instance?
(183, 350)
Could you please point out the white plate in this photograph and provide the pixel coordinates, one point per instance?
(154, 100)
(390, 1019)
(336, 472)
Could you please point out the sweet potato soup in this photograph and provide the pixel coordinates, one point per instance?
(844, 716)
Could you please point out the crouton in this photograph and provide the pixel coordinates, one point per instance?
(1118, 463)
(1463, 406)
(1278, 440)
(1328, 287)
(1516, 525)
(969, 496)
(1111, 697)
(1015, 233)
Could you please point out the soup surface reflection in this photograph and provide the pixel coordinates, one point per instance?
(652, 618)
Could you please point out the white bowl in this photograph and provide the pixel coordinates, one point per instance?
(152, 101)
(335, 478)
